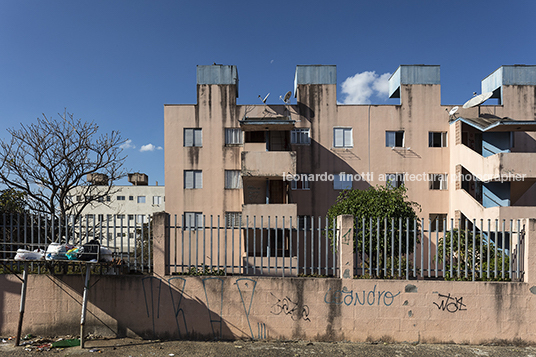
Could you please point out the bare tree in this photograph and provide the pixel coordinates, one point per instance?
(50, 162)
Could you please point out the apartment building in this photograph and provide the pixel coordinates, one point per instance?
(231, 161)
(123, 206)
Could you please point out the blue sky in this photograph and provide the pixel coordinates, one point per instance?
(118, 62)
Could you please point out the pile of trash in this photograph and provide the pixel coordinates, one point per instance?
(33, 343)
(90, 251)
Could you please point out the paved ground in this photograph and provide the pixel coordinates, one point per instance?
(135, 347)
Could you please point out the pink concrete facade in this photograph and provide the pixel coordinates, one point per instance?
(318, 136)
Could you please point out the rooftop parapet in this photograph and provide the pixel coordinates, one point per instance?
(520, 75)
(412, 74)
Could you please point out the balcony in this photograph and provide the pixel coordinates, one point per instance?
(268, 163)
(471, 208)
(505, 165)
(270, 210)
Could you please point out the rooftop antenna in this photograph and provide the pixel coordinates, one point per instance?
(264, 100)
(477, 100)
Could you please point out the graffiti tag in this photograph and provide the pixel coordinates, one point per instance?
(450, 303)
(288, 307)
(346, 297)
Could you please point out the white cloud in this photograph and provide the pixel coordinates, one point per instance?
(150, 147)
(127, 145)
(361, 87)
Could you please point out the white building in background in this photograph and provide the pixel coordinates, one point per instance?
(124, 210)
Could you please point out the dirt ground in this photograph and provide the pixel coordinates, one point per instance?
(126, 347)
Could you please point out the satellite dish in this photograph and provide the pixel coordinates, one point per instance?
(477, 100)
(453, 110)
(286, 99)
(264, 100)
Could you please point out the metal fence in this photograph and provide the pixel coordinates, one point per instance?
(383, 248)
(128, 237)
(252, 246)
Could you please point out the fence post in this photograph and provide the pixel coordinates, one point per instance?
(345, 245)
(529, 226)
(161, 249)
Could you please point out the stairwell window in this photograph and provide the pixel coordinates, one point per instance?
(193, 179)
(233, 219)
(233, 136)
(343, 138)
(394, 139)
(300, 136)
(233, 179)
(193, 137)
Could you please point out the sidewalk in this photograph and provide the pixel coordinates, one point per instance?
(136, 347)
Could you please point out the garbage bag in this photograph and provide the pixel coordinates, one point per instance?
(23, 254)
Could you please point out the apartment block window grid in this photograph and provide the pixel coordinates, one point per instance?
(343, 138)
(300, 136)
(120, 198)
(437, 139)
(193, 137)
(394, 180)
(394, 138)
(233, 219)
(342, 181)
(301, 184)
(193, 179)
(234, 136)
(233, 179)
(438, 181)
(193, 220)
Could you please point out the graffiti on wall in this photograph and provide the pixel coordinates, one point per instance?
(246, 288)
(151, 293)
(290, 308)
(214, 304)
(449, 303)
(371, 297)
(177, 309)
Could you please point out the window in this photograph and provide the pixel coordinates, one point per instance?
(140, 218)
(193, 220)
(233, 180)
(79, 198)
(394, 139)
(193, 137)
(120, 198)
(130, 217)
(342, 181)
(437, 139)
(437, 221)
(300, 136)
(304, 223)
(233, 136)
(108, 198)
(232, 219)
(120, 216)
(342, 138)
(394, 180)
(157, 200)
(438, 181)
(131, 198)
(100, 217)
(193, 179)
(141, 199)
(301, 184)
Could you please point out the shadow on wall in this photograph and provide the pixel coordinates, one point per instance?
(9, 287)
(160, 309)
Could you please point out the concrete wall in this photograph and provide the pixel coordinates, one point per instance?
(274, 308)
